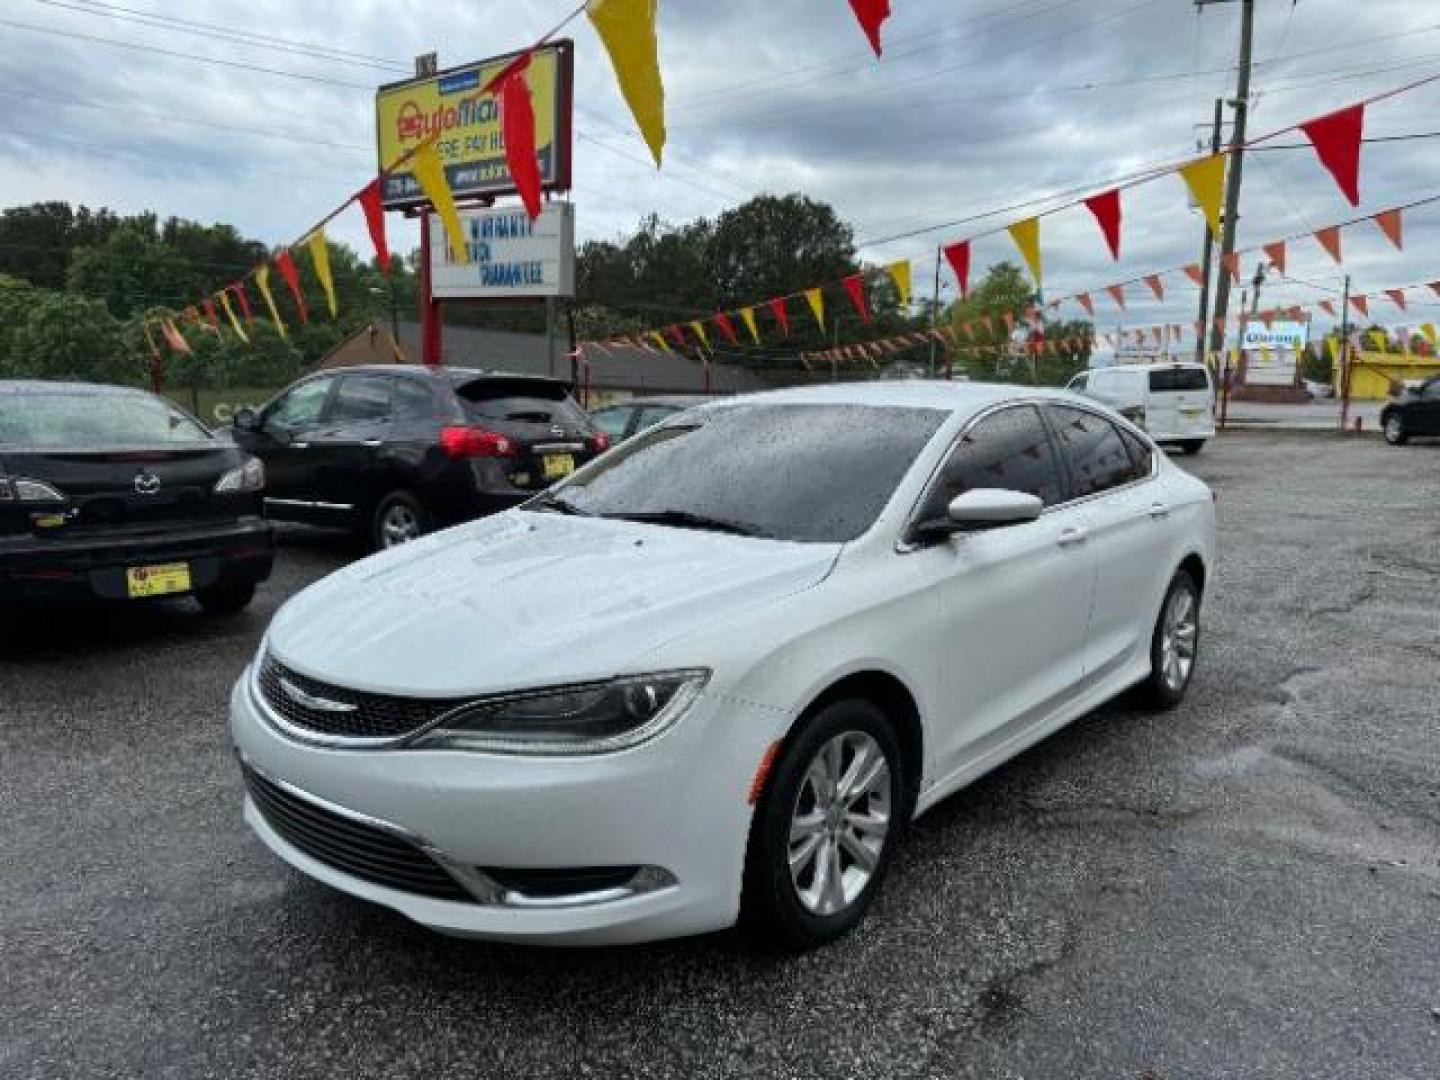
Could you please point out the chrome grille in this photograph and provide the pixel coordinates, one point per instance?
(351, 846)
(361, 715)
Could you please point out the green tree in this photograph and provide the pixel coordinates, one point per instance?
(62, 336)
(36, 241)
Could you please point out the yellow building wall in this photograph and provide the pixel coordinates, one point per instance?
(1372, 374)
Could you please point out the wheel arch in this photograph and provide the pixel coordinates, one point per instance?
(1194, 565)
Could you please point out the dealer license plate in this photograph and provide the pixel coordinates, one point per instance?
(161, 580)
(554, 466)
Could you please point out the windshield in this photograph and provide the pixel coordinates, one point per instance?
(805, 472)
(1179, 378)
(51, 420)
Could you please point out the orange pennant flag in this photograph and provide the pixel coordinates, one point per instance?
(1231, 262)
(1276, 254)
(1195, 274)
(1397, 297)
(1327, 307)
(1361, 305)
(1117, 293)
(1330, 240)
(1085, 302)
(1390, 224)
(1156, 286)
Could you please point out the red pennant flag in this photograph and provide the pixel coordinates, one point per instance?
(1085, 302)
(1361, 305)
(958, 256)
(1106, 208)
(1231, 262)
(726, 327)
(1276, 254)
(239, 289)
(1336, 138)
(782, 316)
(1156, 286)
(1390, 225)
(1434, 287)
(1117, 293)
(871, 14)
(1295, 313)
(210, 316)
(517, 120)
(369, 200)
(286, 266)
(1268, 317)
(1194, 273)
(855, 286)
(1330, 240)
(676, 335)
(1397, 297)
(1329, 308)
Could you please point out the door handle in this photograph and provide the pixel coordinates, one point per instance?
(1073, 537)
(1159, 511)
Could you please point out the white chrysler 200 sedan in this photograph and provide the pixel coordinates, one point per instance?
(715, 673)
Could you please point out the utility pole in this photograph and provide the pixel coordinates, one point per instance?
(1344, 354)
(934, 315)
(1209, 251)
(1241, 104)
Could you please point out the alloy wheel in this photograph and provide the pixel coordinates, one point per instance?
(398, 525)
(1394, 430)
(1178, 639)
(839, 823)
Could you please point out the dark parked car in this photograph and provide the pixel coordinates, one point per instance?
(393, 452)
(115, 493)
(1415, 412)
(629, 417)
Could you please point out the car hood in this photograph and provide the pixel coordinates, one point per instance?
(529, 599)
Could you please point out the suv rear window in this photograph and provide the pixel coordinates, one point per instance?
(1179, 378)
(536, 401)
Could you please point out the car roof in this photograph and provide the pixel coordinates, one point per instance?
(681, 401)
(456, 375)
(963, 397)
(1170, 366)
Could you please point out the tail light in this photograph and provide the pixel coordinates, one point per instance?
(474, 442)
(599, 442)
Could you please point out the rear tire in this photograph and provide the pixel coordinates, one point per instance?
(819, 849)
(399, 518)
(1394, 428)
(1192, 446)
(225, 599)
(1174, 645)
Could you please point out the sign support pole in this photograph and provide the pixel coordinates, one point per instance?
(429, 307)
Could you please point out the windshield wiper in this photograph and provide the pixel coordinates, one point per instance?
(684, 519)
(556, 505)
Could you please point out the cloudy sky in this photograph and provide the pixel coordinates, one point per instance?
(262, 114)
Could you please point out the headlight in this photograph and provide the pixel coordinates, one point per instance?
(590, 718)
(22, 489)
(248, 477)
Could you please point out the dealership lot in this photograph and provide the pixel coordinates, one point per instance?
(1247, 886)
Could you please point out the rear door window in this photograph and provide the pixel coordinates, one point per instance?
(524, 401)
(1171, 380)
(412, 400)
(361, 399)
(1094, 449)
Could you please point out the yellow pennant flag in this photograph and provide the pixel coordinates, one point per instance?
(430, 173)
(748, 315)
(262, 279)
(627, 29)
(1026, 235)
(816, 300)
(230, 313)
(1428, 329)
(320, 256)
(659, 339)
(699, 329)
(1379, 340)
(1206, 180)
(900, 274)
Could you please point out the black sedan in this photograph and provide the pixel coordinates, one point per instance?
(628, 418)
(115, 493)
(1415, 412)
(392, 452)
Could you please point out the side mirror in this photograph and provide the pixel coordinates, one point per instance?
(980, 508)
(245, 419)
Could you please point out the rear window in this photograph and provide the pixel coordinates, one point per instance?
(534, 401)
(53, 420)
(1179, 378)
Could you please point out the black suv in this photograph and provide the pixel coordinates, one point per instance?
(1416, 412)
(393, 452)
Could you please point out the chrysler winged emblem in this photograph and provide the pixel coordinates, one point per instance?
(310, 701)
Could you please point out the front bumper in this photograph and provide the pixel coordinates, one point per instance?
(229, 555)
(675, 807)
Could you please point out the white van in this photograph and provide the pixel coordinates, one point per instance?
(1174, 403)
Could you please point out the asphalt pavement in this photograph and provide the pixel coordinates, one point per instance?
(1246, 887)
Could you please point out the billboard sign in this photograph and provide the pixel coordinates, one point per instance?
(1278, 335)
(507, 255)
(1272, 353)
(470, 144)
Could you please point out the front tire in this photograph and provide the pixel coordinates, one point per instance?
(825, 827)
(399, 518)
(1394, 428)
(1174, 645)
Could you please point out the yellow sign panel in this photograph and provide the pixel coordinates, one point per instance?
(470, 141)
